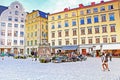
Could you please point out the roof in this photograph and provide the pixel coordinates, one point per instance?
(101, 3)
(2, 8)
(43, 14)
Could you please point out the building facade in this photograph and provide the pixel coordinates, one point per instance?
(12, 24)
(36, 30)
(92, 28)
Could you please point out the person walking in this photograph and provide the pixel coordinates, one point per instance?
(2, 55)
(35, 55)
(105, 65)
(32, 54)
(110, 56)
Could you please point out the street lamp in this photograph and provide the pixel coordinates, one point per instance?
(101, 48)
(94, 53)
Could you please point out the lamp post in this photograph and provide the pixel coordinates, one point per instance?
(94, 52)
(101, 49)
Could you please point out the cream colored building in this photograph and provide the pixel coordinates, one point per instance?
(90, 29)
(36, 31)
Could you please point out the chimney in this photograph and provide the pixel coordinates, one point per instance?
(81, 5)
(102, 1)
(66, 9)
(92, 3)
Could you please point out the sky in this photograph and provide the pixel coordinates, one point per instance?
(49, 6)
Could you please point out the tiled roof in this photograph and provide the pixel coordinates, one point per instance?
(43, 14)
(2, 8)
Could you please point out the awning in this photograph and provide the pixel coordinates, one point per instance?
(69, 47)
(111, 46)
(108, 47)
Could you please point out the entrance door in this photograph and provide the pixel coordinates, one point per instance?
(84, 51)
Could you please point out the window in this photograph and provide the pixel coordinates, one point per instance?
(16, 12)
(2, 41)
(67, 42)
(73, 22)
(53, 27)
(88, 11)
(28, 35)
(104, 29)
(113, 38)
(27, 43)
(21, 26)
(9, 18)
(111, 17)
(89, 30)
(112, 28)
(15, 42)
(2, 32)
(9, 33)
(59, 34)
(15, 33)
(96, 29)
(83, 40)
(59, 17)
(89, 20)
(59, 42)
(97, 40)
(96, 20)
(74, 32)
(95, 10)
(9, 42)
(102, 8)
(66, 15)
(66, 32)
(16, 25)
(21, 42)
(66, 23)
(35, 42)
(22, 20)
(82, 21)
(52, 17)
(21, 34)
(90, 40)
(74, 41)
(59, 24)
(53, 42)
(82, 31)
(103, 17)
(3, 24)
(35, 33)
(9, 24)
(16, 6)
(81, 13)
(104, 39)
(16, 19)
(31, 42)
(73, 14)
(110, 7)
(53, 34)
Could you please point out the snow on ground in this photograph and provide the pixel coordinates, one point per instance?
(26, 69)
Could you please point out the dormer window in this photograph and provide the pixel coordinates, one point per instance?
(16, 6)
(16, 12)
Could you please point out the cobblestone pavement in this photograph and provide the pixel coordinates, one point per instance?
(26, 69)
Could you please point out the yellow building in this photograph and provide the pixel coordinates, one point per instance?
(90, 29)
(36, 31)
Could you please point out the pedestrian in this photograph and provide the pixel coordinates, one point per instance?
(2, 55)
(104, 59)
(32, 54)
(35, 55)
(110, 56)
